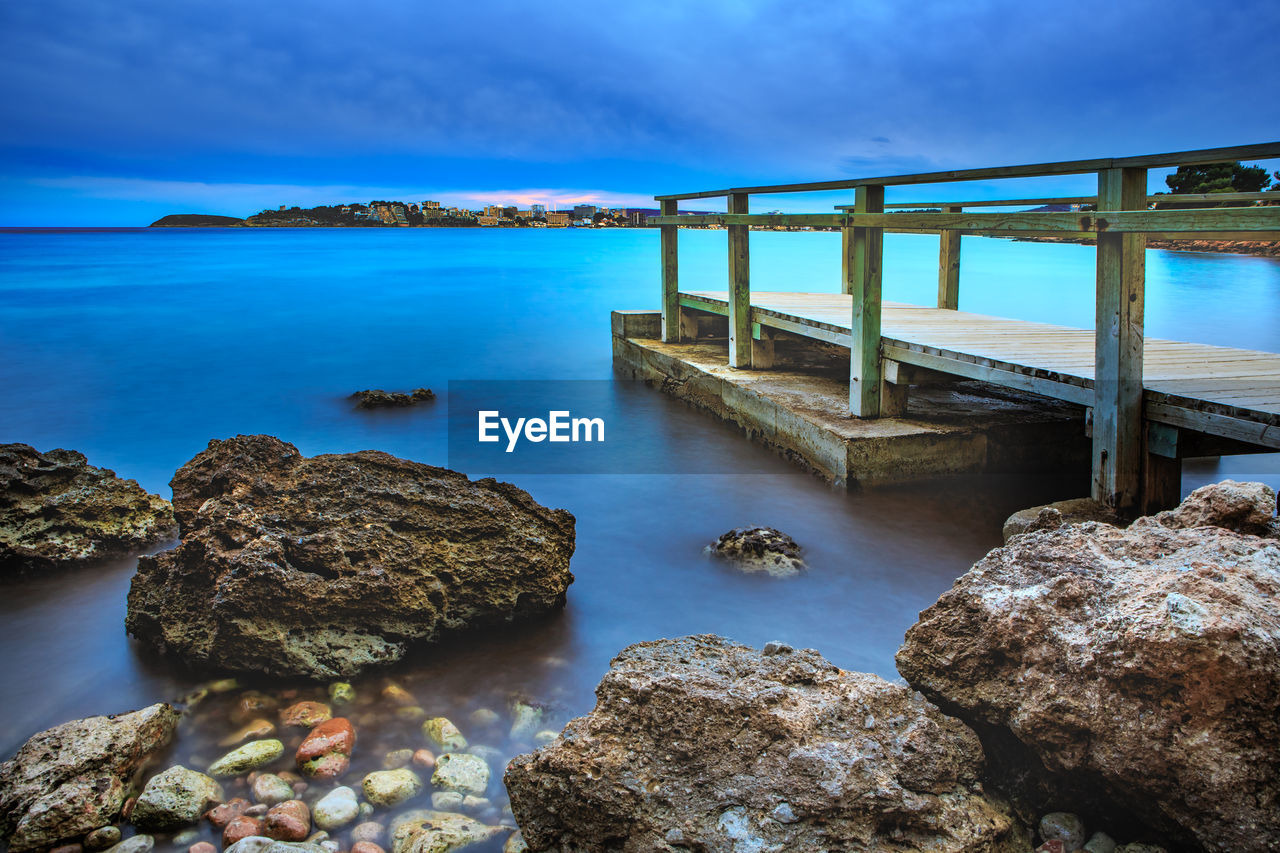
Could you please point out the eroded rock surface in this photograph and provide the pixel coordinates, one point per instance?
(1143, 664)
(72, 779)
(376, 398)
(760, 549)
(329, 565)
(56, 508)
(1049, 516)
(705, 744)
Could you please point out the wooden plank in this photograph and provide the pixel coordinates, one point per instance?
(739, 287)
(949, 267)
(866, 259)
(671, 332)
(1239, 429)
(1117, 411)
(1259, 151)
(986, 371)
(1160, 198)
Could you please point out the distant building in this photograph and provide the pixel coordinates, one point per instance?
(486, 219)
(431, 205)
(584, 211)
(558, 220)
(637, 218)
(494, 210)
(538, 209)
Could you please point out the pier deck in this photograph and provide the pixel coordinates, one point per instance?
(1220, 391)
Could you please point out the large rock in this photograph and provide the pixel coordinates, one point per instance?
(73, 778)
(56, 508)
(1142, 665)
(329, 565)
(175, 798)
(703, 743)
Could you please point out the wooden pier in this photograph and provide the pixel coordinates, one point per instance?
(1150, 403)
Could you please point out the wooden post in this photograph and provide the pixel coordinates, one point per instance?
(846, 250)
(949, 265)
(865, 256)
(671, 332)
(739, 287)
(1117, 412)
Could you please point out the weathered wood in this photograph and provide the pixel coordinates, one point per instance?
(1118, 448)
(866, 259)
(1162, 469)
(846, 252)
(1160, 198)
(739, 287)
(949, 267)
(671, 329)
(1259, 151)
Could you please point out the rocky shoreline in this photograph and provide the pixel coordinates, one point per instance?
(1083, 683)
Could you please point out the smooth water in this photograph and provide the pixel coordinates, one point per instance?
(137, 347)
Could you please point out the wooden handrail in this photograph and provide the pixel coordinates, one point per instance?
(1259, 151)
(1082, 199)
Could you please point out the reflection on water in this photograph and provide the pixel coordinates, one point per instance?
(138, 347)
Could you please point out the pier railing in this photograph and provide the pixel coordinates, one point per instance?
(1121, 222)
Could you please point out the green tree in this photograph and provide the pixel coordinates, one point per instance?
(1275, 188)
(1218, 178)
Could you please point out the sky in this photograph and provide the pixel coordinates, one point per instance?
(116, 113)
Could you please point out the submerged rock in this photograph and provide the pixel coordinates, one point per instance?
(427, 831)
(391, 787)
(251, 756)
(325, 753)
(56, 508)
(1140, 667)
(326, 566)
(703, 743)
(1050, 516)
(376, 398)
(760, 549)
(72, 779)
(175, 798)
(461, 772)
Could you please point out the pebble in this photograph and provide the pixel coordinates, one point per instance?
(1053, 845)
(516, 844)
(254, 730)
(397, 695)
(341, 693)
(126, 810)
(411, 713)
(471, 801)
(461, 771)
(370, 831)
(174, 798)
(1140, 848)
(366, 847)
(484, 717)
(317, 836)
(490, 754)
(251, 705)
(424, 758)
(102, 838)
(222, 685)
(330, 846)
(444, 734)
(325, 753)
(68, 848)
(1064, 827)
(186, 839)
(446, 801)
(525, 719)
(240, 827)
(202, 847)
(136, 844)
(337, 808)
(260, 810)
(222, 815)
(545, 737)
(271, 789)
(299, 788)
(391, 787)
(289, 821)
(366, 811)
(304, 715)
(251, 756)
(396, 759)
(1100, 842)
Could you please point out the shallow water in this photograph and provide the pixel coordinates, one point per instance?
(139, 346)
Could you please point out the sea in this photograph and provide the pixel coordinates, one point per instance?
(139, 346)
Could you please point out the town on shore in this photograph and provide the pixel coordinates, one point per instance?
(398, 214)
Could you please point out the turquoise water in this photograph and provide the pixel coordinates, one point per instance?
(139, 346)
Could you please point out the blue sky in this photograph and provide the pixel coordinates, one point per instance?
(115, 113)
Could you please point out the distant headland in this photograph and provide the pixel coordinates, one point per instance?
(398, 214)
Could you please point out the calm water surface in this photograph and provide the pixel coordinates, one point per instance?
(137, 347)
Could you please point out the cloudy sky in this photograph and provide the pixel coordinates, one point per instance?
(114, 113)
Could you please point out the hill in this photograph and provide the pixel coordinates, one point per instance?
(196, 220)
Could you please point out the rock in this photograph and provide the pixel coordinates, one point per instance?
(706, 740)
(376, 398)
(397, 695)
(424, 758)
(337, 808)
(102, 838)
(222, 815)
(68, 848)
(327, 566)
(57, 509)
(1140, 667)
(175, 798)
(391, 787)
(1064, 827)
(1100, 842)
(254, 730)
(544, 737)
(325, 753)
(1140, 848)
(474, 803)
(1050, 516)
(252, 704)
(341, 693)
(1242, 507)
(439, 832)
(443, 734)
(525, 719)
(72, 779)
(446, 801)
(482, 717)
(202, 847)
(134, 844)
(240, 828)
(370, 831)
(186, 838)
(251, 756)
(304, 715)
(760, 549)
(462, 772)
(1053, 845)
(411, 713)
(271, 789)
(366, 847)
(515, 844)
(288, 821)
(397, 758)
(262, 844)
